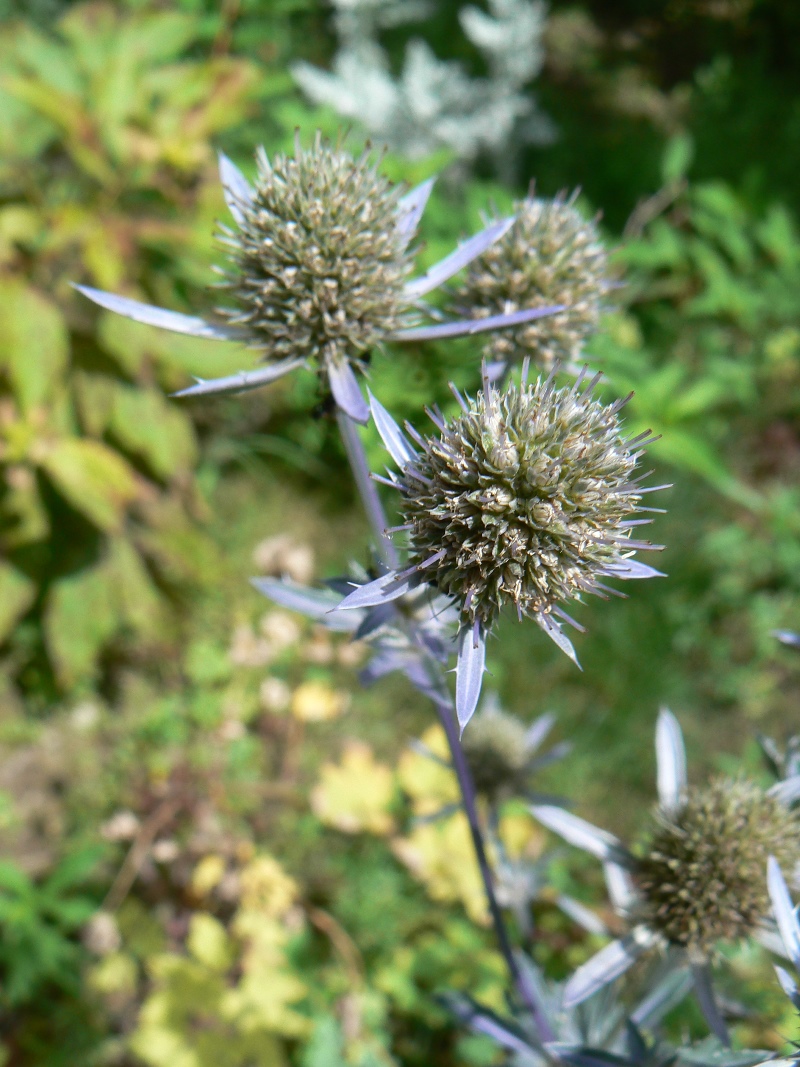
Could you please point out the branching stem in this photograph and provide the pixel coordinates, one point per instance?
(435, 687)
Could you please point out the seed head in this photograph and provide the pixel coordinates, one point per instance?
(496, 747)
(523, 498)
(318, 262)
(702, 879)
(551, 255)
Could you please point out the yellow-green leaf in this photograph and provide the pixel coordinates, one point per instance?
(34, 347)
(16, 595)
(95, 480)
(81, 615)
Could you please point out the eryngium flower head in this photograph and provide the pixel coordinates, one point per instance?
(551, 255)
(319, 264)
(495, 745)
(702, 877)
(526, 497)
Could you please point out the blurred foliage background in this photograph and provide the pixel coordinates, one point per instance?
(209, 854)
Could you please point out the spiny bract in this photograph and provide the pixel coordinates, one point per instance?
(524, 498)
(702, 879)
(551, 255)
(496, 746)
(319, 263)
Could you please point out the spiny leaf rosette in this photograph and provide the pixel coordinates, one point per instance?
(551, 255)
(525, 498)
(319, 262)
(702, 877)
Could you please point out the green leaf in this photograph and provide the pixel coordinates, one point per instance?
(17, 593)
(82, 613)
(677, 158)
(148, 425)
(34, 347)
(93, 478)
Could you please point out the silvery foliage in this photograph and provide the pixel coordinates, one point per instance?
(600, 1031)
(435, 104)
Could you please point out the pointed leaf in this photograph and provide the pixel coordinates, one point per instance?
(787, 791)
(787, 637)
(470, 666)
(785, 912)
(458, 259)
(583, 916)
(380, 591)
(579, 1056)
(484, 1021)
(318, 604)
(411, 207)
(670, 761)
(704, 991)
(539, 730)
(621, 888)
(396, 442)
(632, 568)
(667, 994)
(609, 963)
(235, 187)
(788, 984)
(582, 834)
(241, 382)
(154, 316)
(346, 391)
(470, 327)
(556, 634)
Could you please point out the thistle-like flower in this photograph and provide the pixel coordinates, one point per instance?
(319, 272)
(551, 255)
(527, 497)
(699, 880)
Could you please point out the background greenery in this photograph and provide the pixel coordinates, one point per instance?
(177, 752)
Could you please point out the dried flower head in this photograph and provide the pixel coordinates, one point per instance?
(551, 255)
(527, 498)
(319, 273)
(702, 877)
(319, 265)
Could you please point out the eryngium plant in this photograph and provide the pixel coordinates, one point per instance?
(701, 877)
(528, 497)
(699, 881)
(551, 255)
(318, 275)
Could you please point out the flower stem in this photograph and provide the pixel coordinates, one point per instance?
(434, 686)
(367, 490)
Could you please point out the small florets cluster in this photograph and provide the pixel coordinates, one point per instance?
(319, 264)
(522, 499)
(495, 744)
(551, 255)
(702, 878)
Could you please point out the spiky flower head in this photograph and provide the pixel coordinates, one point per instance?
(551, 255)
(526, 497)
(319, 263)
(702, 877)
(497, 751)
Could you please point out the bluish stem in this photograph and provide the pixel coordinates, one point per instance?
(437, 691)
(367, 489)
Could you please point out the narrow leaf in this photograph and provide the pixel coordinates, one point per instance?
(241, 382)
(410, 209)
(609, 963)
(317, 604)
(556, 634)
(632, 568)
(469, 327)
(704, 991)
(621, 889)
(670, 761)
(787, 791)
(667, 994)
(539, 730)
(235, 188)
(583, 916)
(346, 391)
(380, 591)
(153, 316)
(788, 984)
(784, 910)
(470, 666)
(394, 439)
(458, 259)
(582, 834)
